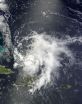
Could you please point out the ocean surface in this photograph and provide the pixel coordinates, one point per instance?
(47, 44)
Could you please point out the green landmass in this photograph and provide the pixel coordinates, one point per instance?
(25, 81)
(28, 80)
(64, 87)
(4, 70)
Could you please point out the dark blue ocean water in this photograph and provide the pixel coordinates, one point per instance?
(59, 18)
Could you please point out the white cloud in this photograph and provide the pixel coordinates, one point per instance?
(42, 56)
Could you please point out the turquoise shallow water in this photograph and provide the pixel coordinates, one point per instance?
(3, 49)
